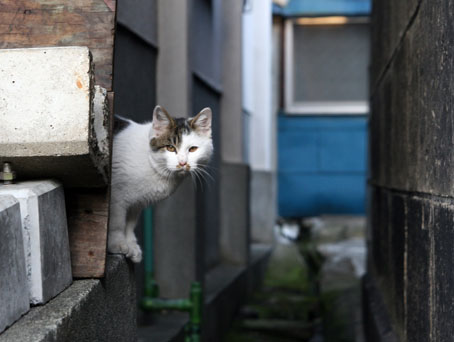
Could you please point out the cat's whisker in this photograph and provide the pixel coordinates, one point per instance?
(204, 172)
(199, 178)
(208, 166)
(193, 180)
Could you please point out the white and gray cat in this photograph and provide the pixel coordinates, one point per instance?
(149, 162)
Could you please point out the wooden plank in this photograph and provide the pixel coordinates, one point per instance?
(88, 216)
(88, 222)
(35, 23)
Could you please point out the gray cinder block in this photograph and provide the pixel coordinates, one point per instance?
(45, 236)
(52, 117)
(13, 281)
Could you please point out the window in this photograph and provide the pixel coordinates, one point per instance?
(326, 66)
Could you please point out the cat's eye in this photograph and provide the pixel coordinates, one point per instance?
(193, 149)
(170, 148)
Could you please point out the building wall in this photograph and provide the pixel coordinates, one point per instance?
(409, 285)
(261, 119)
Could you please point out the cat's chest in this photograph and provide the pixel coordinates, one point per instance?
(153, 189)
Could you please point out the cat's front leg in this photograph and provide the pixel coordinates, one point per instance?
(117, 242)
(134, 250)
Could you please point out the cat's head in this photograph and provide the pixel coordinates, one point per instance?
(181, 145)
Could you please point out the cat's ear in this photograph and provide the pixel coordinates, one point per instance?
(202, 122)
(162, 121)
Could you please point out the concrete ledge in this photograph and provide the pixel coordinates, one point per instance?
(165, 328)
(13, 281)
(89, 310)
(45, 237)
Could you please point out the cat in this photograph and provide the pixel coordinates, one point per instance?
(148, 163)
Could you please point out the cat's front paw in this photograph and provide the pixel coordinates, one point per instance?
(119, 247)
(134, 252)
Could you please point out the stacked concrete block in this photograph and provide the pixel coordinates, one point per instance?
(45, 236)
(50, 127)
(13, 281)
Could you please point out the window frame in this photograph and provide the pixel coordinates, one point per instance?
(315, 107)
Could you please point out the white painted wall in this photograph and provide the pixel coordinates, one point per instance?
(257, 96)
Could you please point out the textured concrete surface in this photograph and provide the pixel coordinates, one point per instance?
(234, 212)
(47, 112)
(411, 206)
(13, 279)
(45, 236)
(412, 123)
(89, 310)
(263, 205)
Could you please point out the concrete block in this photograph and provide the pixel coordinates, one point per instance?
(89, 310)
(45, 233)
(235, 236)
(49, 125)
(263, 205)
(13, 280)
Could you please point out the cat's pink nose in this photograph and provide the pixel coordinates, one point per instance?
(182, 163)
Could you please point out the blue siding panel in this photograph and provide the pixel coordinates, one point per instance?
(301, 153)
(299, 8)
(343, 150)
(322, 165)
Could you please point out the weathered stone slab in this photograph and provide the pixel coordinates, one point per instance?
(13, 280)
(412, 125)
(49, 126)
(389, 23)
(61, 23)
(45, 235)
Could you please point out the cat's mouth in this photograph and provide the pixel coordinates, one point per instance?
(186, 167)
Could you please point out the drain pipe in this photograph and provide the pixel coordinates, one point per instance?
(150, 302)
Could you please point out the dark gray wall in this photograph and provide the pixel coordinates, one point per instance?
(411, 161)
(208, 192)
(134, 75)
(206, 40)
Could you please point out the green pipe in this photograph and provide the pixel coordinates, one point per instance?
(151, 288)
(193, 306)
(151, 302)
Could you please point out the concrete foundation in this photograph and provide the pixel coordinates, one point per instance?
(13, 280)
(47, 115)
(234, 213)
(89, 310)
(45, 237)
(263, 205)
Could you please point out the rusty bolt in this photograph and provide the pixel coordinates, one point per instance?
(7, 175)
